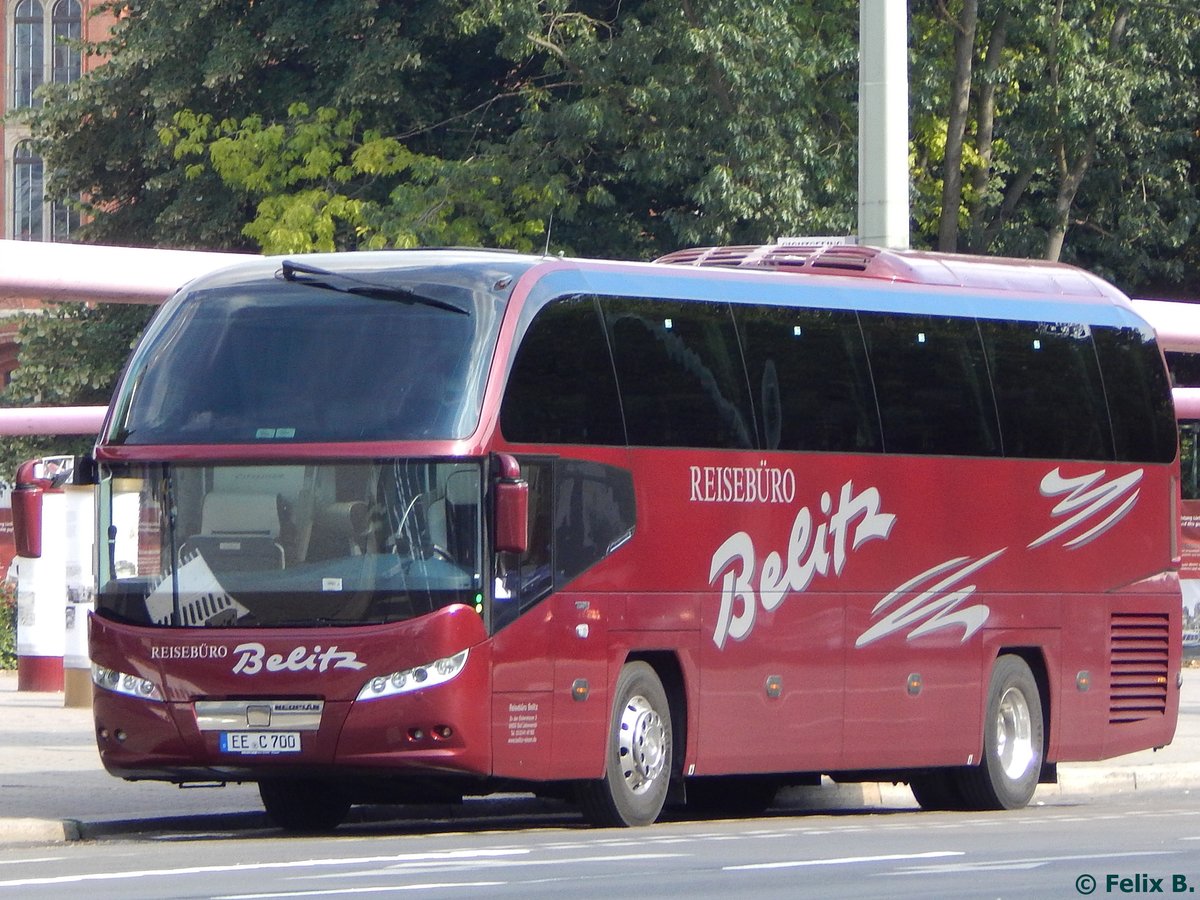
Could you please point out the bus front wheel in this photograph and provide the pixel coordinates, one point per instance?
(303, 805)
(638, 757)
(1013, 741)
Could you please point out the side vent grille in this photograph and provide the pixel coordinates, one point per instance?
(856, 259)
(1139, 651)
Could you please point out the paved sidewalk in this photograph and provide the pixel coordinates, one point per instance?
(52, 784)
(53, 787)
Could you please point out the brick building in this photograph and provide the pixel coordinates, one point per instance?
(34, 52)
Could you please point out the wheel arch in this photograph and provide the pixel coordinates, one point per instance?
(669, 669)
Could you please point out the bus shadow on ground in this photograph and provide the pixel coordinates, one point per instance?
(476, 814)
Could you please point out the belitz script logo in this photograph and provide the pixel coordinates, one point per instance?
(1088, 497)
(252, 658)
(938, 597)
(941, 597)
(812, 550)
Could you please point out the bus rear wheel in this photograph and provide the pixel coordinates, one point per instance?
(638, 757)
(304, 805)
(1013, 741)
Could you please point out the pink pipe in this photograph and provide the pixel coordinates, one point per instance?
(52, 420)
(53, 271)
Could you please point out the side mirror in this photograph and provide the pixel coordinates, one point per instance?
(27, 509)
(511, 507)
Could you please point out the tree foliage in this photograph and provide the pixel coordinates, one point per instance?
(640, 125)
(1047, 128)
(322, 182)
(100, 135)
(1068, 130)
(70, 356)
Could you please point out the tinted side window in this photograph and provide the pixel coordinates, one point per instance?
(680, 373)
(561, 389)
(523, 580)
(932, 385)
(594, 514)
(1139, 395)
(1048, 390)
(1189, 462)
(810, 379)
(1184, 368)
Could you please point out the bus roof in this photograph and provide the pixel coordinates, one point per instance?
(910, 266)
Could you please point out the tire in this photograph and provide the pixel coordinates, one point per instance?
(937, 790)
(638, 758)
(303, 805)
(1013, 741)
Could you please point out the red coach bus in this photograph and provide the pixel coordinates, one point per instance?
(1187, 409)
(1177, 324)
(406, 525)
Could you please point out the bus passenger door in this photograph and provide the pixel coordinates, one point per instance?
(522, 623)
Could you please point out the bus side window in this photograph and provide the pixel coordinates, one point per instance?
(562, 389)
(680, 373)
(594, 513)
(1138, 392)
(1189, 464)
(809, 370)
(1048, 390)
(932, 384)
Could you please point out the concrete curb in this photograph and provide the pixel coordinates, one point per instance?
(1087, 781)
(38, 831)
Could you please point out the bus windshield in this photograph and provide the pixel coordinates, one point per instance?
(292, 362)
(349, 543)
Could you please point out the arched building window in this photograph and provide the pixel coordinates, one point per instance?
(44, 38)
(42, 47)
(29, 191)
(34, 219)
(29, 52)
(66, 22)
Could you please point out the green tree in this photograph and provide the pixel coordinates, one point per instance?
(398, 64)
(684, 123)
(1062, 128)
(322, 182)
(642, 124)
(1066, 131)
(70, 356)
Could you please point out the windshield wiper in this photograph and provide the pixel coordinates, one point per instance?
(300, 273)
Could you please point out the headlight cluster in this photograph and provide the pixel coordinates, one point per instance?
(414, 679)
(121, 683)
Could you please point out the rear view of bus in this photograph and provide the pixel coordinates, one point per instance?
(404, 526)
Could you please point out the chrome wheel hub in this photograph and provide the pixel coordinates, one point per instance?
(1014, 734)
(641, 745)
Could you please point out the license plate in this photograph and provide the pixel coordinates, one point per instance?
(257, 742)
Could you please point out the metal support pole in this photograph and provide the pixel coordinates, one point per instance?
(883, 214)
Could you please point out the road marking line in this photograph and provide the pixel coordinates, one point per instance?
(844, 860)
(378, 889)
(1024, 863)
(416, 868)
(447, 855)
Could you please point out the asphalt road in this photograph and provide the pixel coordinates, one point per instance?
(1109, 846)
